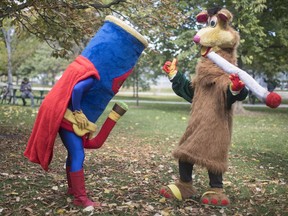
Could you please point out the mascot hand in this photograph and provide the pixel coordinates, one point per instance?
(170, 68)
(81, 119)
(236, 84)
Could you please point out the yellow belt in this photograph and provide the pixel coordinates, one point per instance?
(91, 127)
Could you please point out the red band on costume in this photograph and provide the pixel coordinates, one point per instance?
(66, 125)
(99, 140)
(118, 81)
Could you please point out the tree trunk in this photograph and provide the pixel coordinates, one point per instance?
(7, 36)
(238, 108)
(137, 88)
(134, 85)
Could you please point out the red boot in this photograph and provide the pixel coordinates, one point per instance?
(79, 192)
(69, 190)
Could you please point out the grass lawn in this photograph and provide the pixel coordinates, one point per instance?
(128, 171)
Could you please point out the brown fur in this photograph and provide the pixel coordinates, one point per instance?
(207, 137)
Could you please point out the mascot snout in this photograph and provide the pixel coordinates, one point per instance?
(196, 39)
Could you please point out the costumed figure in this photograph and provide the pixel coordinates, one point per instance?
(80, 97)
(212, 92)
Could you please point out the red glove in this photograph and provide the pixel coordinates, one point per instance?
(273, 100)
(236, 84)
(170, 67)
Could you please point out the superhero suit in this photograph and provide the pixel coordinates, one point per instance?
(86, 87)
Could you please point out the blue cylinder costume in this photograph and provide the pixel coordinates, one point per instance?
(114, 52)
(78, 99)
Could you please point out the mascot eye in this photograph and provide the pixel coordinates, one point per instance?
(213, 22)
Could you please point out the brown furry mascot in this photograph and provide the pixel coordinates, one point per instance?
(212, 92)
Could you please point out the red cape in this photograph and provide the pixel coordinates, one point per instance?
(41, 142)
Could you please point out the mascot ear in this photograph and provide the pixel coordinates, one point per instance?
(225, 15)
(202, 17)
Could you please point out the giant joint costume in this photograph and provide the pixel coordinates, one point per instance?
(79, 98)
(212, 92)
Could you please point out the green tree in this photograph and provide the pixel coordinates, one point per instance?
(169, 26)
(65, 23)
(274, 50)
(8, 35)
(262, 25)
(174, 40)
(14, 50)
(43, 65)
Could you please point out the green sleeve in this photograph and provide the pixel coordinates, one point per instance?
(233, 98)
(182, 87)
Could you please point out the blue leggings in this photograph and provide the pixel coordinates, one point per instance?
(72, 142)
(74, 146)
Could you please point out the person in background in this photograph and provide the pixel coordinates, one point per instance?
(5, 95)
(26, 91)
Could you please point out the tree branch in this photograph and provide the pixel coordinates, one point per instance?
(97, 5)
(9, 10)
(12, 9)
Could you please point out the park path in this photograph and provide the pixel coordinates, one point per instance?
(186, 103)
(283, 94)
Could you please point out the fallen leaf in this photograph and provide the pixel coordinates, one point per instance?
(88, 209)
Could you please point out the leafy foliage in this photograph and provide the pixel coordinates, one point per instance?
(66, 23)
(262, 25)
(42, 65)
(168, 25)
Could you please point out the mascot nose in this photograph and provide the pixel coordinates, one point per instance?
(196, 39)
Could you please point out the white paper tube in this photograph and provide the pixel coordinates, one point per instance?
(271, 99)
(260, 92)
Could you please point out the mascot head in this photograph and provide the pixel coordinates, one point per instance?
(218, 34)
(114, 51)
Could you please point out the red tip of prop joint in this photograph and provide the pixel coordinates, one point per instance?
(273, 100)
